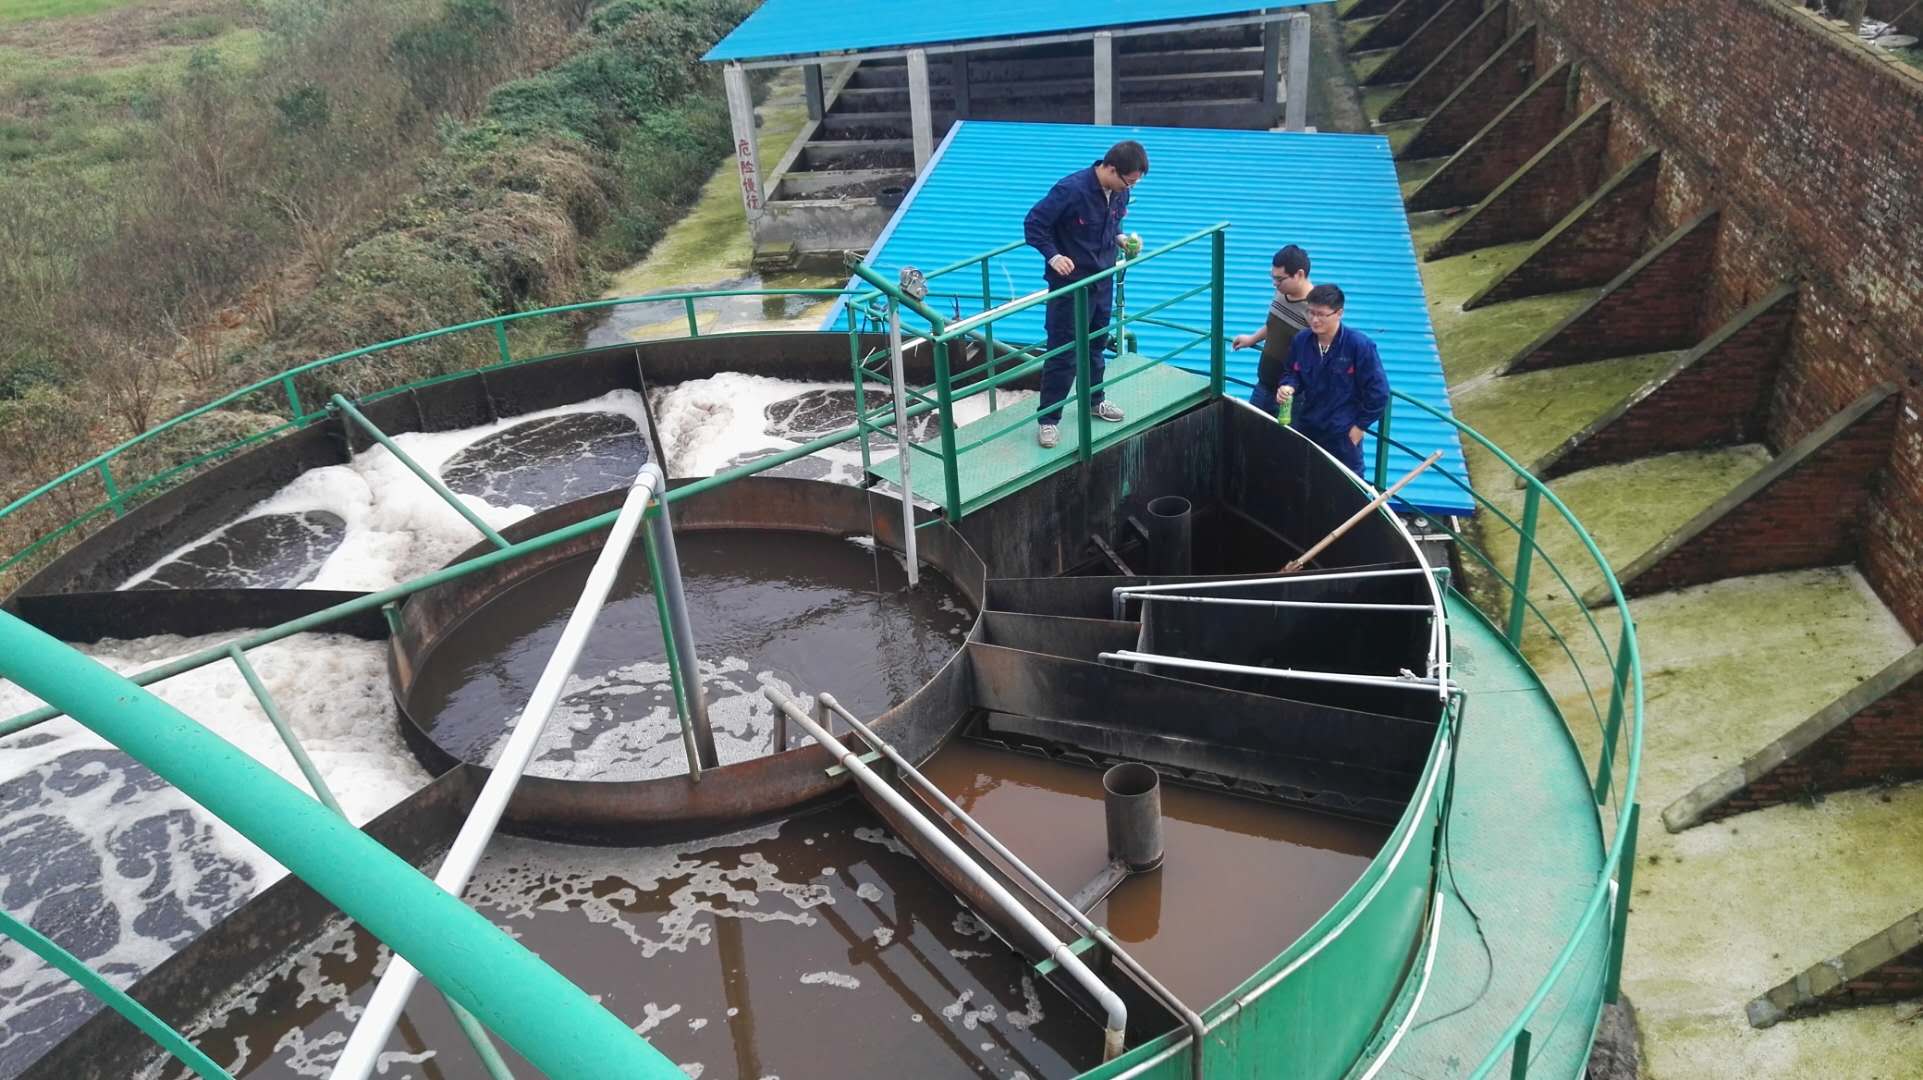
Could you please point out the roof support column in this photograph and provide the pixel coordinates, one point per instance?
(1271, 63)
(1296, 109)
(920, 115)
(1104, 77)
(741, 115)
(811, 88)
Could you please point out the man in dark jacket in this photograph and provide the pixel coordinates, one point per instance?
(1075, 227)
(1338, 374)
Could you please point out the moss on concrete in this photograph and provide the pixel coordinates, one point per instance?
(1399, 133)
(1413, 173)
(1377, 98)
(1722, 912)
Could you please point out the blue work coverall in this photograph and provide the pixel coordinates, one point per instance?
(1074, 219)
(1334, 392)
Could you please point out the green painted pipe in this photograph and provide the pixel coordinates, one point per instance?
(549, 1020)
(287, 736)
(414, 467)
(117, 999)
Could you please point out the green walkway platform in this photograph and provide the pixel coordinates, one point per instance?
(1147, 391)
(1526, 845)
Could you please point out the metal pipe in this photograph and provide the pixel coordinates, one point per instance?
(1132, 811)
(1177, 598)
(1067, 908)
(546, 1018)
(414, 467)
(1412, 682)
(661, 528)
(898, 380)
(369, 1037)
(287, 736)
(1118, 595)
(1115, 1012)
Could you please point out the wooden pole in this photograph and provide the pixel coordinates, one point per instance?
(1339, 531)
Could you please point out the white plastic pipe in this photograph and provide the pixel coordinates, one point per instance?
(1116, 1013)
(383, 1011)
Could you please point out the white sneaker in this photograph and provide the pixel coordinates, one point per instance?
(1049, 436)
(1107, 412)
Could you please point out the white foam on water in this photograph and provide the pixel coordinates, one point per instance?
(869, 891)
(165, 869)
(706, 425)
(397, 529)
(838, 979)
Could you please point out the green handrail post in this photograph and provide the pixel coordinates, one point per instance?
(546, 1018)
(1525, 553)
(861, 390)
(287, 735)
(988, 334)
(113, 490)
(500, 342)
(293, 396)
(117, 999)
(945, 414)
(428, 478)
(694, 324)
(480, 1040)
(1382, 445)
(1218, 354)
(1085, 424)
(1619, 923)
(676, 673)
(1613, 727)
(1519, 1058)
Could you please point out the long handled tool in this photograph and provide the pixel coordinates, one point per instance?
(1337, 533)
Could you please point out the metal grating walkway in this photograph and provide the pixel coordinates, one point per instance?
(1526, 845)
(1011, 460)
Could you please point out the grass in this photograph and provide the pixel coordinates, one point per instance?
(17, 11)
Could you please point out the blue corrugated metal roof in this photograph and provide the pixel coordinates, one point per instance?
(813, 27)
(1336, 195)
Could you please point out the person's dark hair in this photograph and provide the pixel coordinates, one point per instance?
(1292, 260)
(1127, 157)
(1328, 296)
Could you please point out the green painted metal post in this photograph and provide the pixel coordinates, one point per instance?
(1612, 729)
(74, 968)
(694, 324)
(1525, 555)
(1619, 924)
(1084, 423)
(861, 390)
(547, 1019)
(945, 414)
(1519, 1058)
(988, 335)
(287, 735)
(480, 1040)
(113, 489)
(428, 478)
(293, 396)
(1382, 445)
(500, 342)
(1218, 351)
(676, 675)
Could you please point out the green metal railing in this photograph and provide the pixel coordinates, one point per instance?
(1616, 702)
(986, 376)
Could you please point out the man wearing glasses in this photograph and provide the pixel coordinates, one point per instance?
(1338, 374)
(1075, 227)
(1288, 316)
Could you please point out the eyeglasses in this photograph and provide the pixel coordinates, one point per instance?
(1320, 315)
(1131, 179)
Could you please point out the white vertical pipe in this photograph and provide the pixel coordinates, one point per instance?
(383, 1010)
(898, 381)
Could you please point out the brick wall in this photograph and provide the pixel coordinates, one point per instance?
(1812, 145)
(1882, 742)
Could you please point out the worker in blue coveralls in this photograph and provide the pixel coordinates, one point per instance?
(1338, 375)
(1075, 227)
